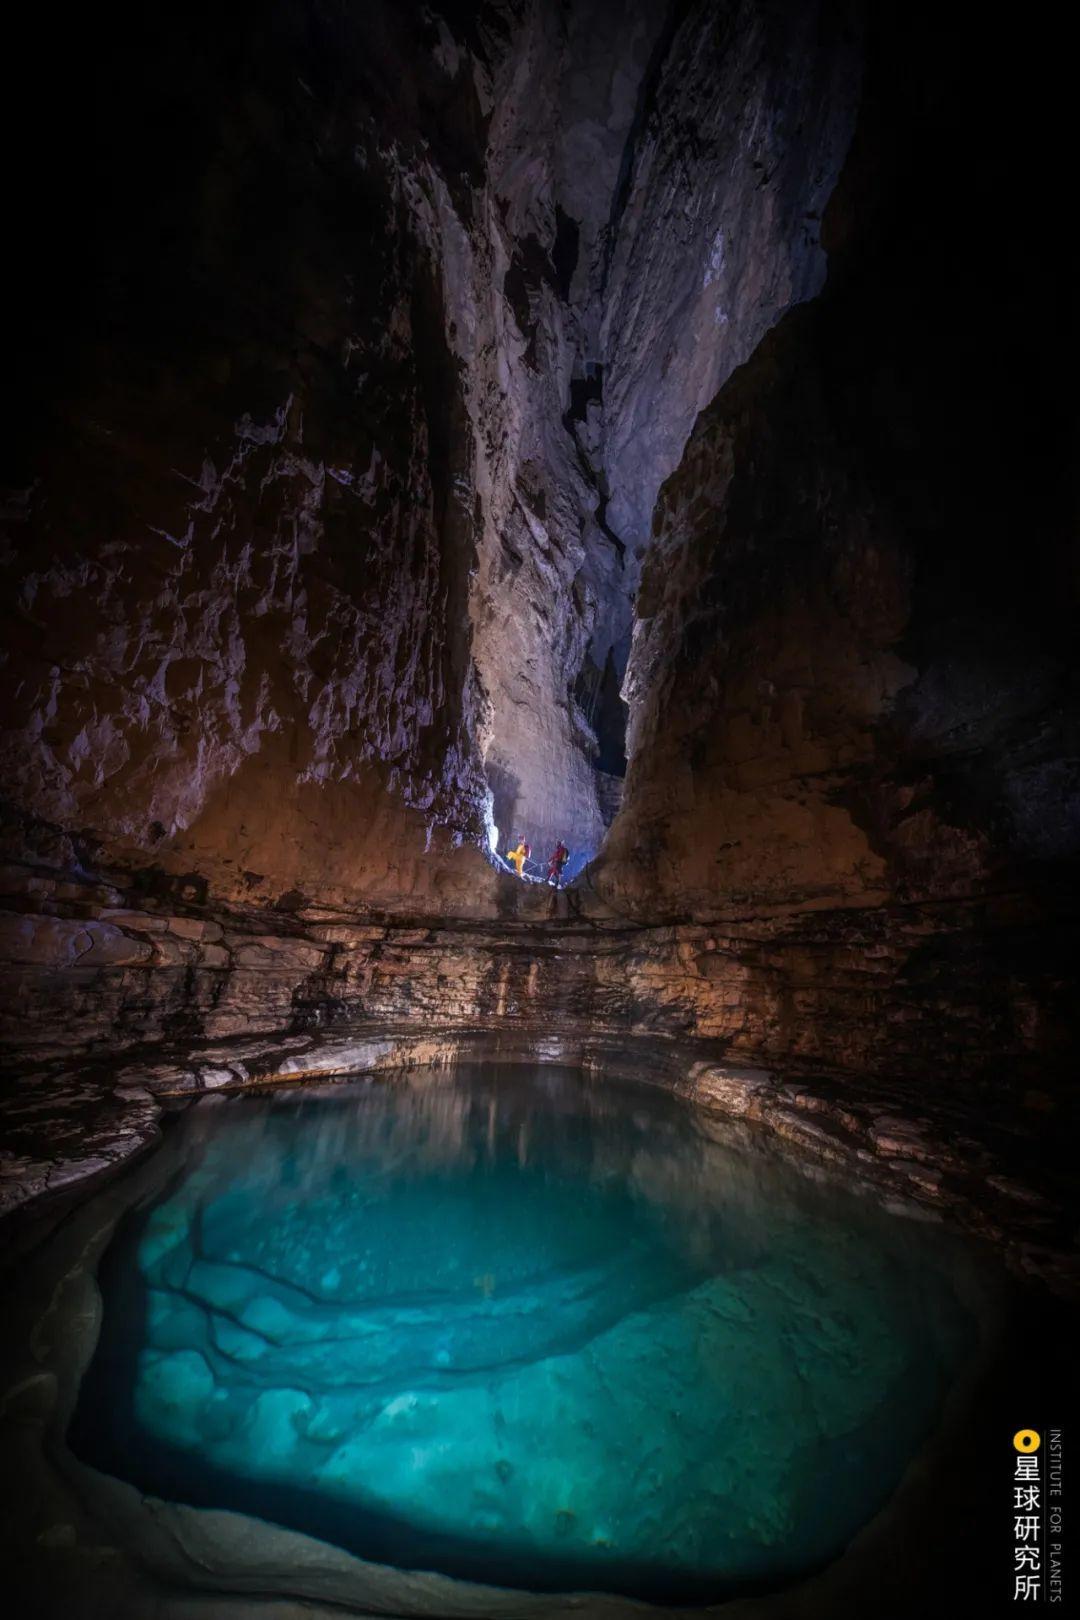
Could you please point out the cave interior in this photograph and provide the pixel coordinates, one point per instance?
(645, 425)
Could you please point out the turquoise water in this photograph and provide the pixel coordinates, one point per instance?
(520, 1328)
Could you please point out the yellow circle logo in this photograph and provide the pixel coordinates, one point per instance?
(1027, 1440)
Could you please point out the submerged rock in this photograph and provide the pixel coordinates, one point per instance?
(620, 1361)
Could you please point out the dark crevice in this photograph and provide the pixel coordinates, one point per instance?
(564, 255)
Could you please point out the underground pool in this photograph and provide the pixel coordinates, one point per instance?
(520, 1327)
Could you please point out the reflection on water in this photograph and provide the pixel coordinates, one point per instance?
(520, 1328)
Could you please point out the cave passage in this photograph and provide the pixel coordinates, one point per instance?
(635, 426)
(521, 1328)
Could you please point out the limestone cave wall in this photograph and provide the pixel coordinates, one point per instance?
(656, 176)
(310, 560)
(411, 402)
(243, 519)
(853, 679)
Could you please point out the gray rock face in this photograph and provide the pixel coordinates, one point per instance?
(716, 228)
(654, 193)
(563, 108)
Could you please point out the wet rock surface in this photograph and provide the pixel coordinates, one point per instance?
(380, 998)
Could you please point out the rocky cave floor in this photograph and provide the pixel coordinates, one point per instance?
(69, 1119)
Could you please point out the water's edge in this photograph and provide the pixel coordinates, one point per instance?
(55, 1311)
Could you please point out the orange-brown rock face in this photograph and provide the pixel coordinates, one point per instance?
(237, 617)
